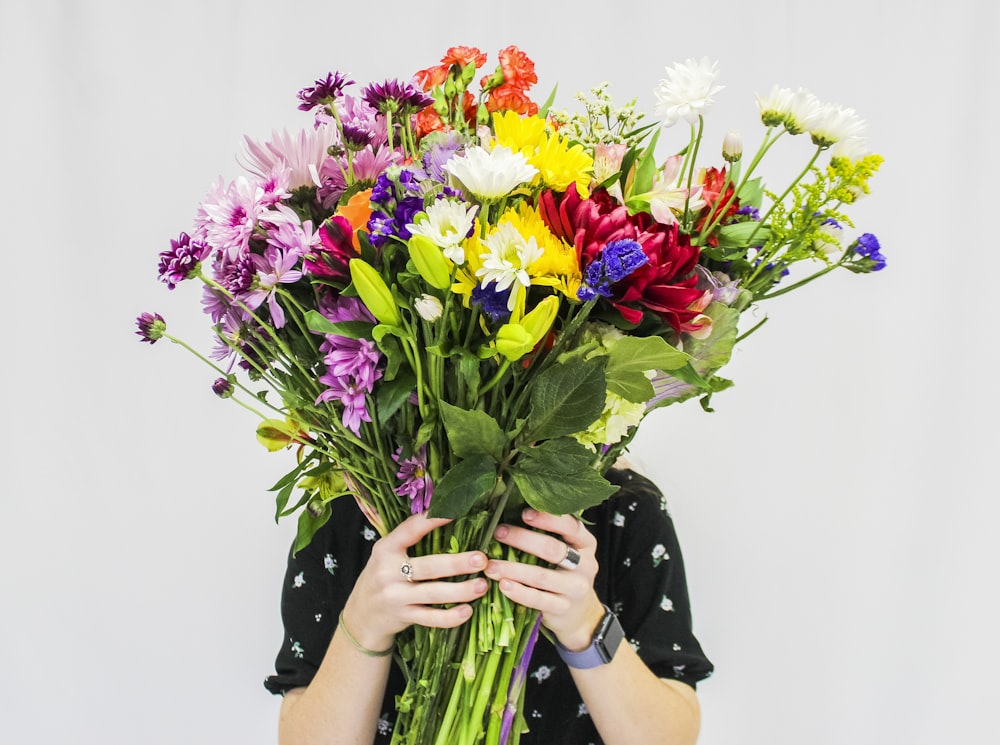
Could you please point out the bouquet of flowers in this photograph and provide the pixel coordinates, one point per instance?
(445, 297)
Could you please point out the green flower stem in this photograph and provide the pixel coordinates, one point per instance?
(756, 326)
(762, 259)
(765, 145)
(299, 318)
(801, 282)
(307, 377)
(694, 147)
(497, 377)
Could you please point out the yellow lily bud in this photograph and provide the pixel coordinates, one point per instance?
(539, 320)
(275, 434)
(374, 292)
(513, 341)
(430, 262)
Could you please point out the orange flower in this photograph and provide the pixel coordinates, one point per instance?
(432, 76)
(427, 121)
(511, 98)
(518, 69)
(463, 56)
(356, 212)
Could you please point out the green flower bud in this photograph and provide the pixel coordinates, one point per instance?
(513, 341)
(374, 292)
(430, 262)
(539, 320)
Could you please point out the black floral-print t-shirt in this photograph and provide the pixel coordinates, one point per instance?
(641, 578)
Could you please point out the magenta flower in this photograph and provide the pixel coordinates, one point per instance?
(228, 215)
(182, 260)
(151, 327)
(391, 96)
(417, 484)
(351, 396)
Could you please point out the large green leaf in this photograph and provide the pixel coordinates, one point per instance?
(567, 398)
(309, 523)
(458, 491)
(632, 386)
(394, 393)
(557, 476)
(351, 329)
(472, 432)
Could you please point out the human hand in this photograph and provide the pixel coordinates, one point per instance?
(566, 597)
(385, 601)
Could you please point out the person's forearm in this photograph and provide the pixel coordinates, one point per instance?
(629, 704)
(342, 704)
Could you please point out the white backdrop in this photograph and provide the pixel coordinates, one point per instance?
(837, 511)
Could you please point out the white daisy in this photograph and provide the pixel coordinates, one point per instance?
(490, 174)
(507, 260)
(447, 223)
(428, 307)
(687, 90)
(833, 123)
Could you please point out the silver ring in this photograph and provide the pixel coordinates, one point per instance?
(407, 570)
(571, 560)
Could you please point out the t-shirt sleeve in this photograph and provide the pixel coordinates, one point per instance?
(317, 582)
(648, 588)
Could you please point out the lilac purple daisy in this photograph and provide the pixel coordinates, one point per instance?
(324, 91)
(182, 260)
(417, 485)
(151, 327)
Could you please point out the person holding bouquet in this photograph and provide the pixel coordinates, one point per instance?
(622, 663)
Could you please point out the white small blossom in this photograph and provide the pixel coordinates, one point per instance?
(428, 307)
(319, 617)
(299, 579)
(679, 670)
(732, 146)
(828, 237)
(490, 174)
(297, 650)
(543, 673)
(368, 533)
(659, 554)
(634, 643)
(582, 710)
(330, 563)
(666, 604)
(687, 91)
(618, 519)
(677, 647)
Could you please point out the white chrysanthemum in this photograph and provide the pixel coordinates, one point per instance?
(803, 107)
(508, 258)
(447, 223)
(774, 107)
(833, 123)
(428, 307)
(490, 174)
(828, 237)
(687, 91)
(850, 148)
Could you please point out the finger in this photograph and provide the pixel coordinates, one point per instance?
(570, 527)
(441, 618)
(439, 566)
(546, 547)
(446, 593)
(549, 603)
(409, 532)
(571, 584)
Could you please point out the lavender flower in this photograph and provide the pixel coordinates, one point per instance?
(417, 484)
(182, 260)
(324, 92)
(223, 387)
(618, 260)
(869, 250)
(491, 302)
(151, 327)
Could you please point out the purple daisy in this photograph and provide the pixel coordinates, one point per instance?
(324, 92)
(417, 485)
(182, 260)
(391, 96)
(151, 327)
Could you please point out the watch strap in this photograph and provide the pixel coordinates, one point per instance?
(608, 636)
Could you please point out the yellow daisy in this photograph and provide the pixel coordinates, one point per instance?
(560, 165)
(558, 266)
(522, 134)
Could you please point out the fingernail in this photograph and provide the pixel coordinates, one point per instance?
(530, 514)
(491, 569)
(465, 611)
(481, 586)
(478, 560)
(501, 531)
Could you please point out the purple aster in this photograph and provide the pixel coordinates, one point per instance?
(443, 146)
(324, 92)
(356, 138)
(182, 260)
(351, 396)
(342, 308)
(380, 228)
(391, 96)
(151, 327)
(417, 484)
(491, 302)
(748, 211)
(228, 216)
(367, 165)
(352, 358)
(868, 247)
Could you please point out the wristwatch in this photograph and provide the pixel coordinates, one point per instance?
(607, 637)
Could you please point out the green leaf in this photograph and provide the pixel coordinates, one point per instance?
(468, 368)
(557, 477)
(309, 523)
(282, 500)
(751, 193)
(543, 110)
(632, 386)
(646, 169)
(351, 329)
(306, 496)
(472, 432)
(642, 354)
(738, 234)
(394, 393)
(467, 483)
(567, 399)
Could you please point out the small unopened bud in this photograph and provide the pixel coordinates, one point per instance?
(151, 327)
(223, 387)
(732, 146)
(428, 307)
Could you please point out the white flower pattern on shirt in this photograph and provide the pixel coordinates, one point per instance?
(299, 580)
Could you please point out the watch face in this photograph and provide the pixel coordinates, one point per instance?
(610, 637)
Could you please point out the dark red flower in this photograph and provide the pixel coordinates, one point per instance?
(665, 286)
(331, 260)
(711, 193)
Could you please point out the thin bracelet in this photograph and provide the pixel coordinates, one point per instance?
(357, 645)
